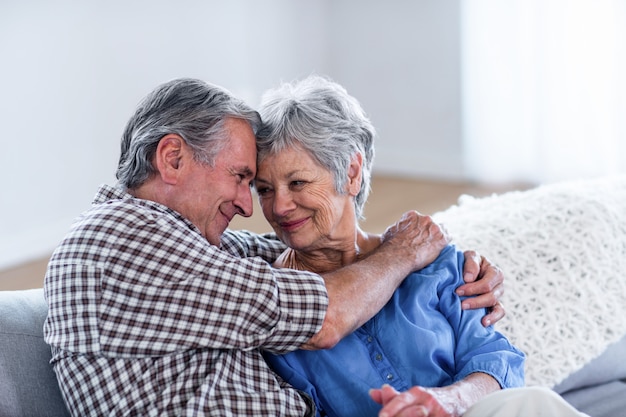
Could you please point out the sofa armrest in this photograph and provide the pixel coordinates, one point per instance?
(28, 386)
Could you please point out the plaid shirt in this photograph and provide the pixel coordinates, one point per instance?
(147, 318)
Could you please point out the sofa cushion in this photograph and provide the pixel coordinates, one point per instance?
(610, 366)
(562, 248)
(28, 386)
(599, 388)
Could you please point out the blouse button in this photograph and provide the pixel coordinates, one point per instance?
(379, 357)
(369, 339)
(389, 377)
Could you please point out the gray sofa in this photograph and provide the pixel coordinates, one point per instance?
(28, 387)
(592, 380)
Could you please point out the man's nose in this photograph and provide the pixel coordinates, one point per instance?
(244, 202)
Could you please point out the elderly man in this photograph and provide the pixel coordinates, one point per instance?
(156, 309)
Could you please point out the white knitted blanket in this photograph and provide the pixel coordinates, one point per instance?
(562, 248)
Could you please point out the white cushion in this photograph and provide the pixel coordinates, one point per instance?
(562, 248)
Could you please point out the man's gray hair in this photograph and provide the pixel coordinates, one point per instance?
(190, 108)
(320, 117)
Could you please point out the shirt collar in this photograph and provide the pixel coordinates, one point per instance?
(107, 193)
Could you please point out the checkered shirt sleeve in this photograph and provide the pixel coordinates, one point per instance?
(146, 315)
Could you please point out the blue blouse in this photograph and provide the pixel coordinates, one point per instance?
(421, 337)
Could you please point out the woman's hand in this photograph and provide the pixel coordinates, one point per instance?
(485, 281)
(450, 401)
(415, 402)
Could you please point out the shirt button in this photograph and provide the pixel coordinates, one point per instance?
(389, 377)
(379, 357)
(369, 339)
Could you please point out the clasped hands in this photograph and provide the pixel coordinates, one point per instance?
(415, 402)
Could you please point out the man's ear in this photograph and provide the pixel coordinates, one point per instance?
(355, 174)
(168, 158)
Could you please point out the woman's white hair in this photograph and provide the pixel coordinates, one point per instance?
(318, 116)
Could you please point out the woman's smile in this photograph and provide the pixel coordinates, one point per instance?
(293, 225)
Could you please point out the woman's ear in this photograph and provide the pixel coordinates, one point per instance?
(355, 174)
(168, 158)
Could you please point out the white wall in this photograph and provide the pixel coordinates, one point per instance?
(401, 59)
(72, 73)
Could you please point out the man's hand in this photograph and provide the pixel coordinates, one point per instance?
(418, 237)
(409, 245)
(485, 281)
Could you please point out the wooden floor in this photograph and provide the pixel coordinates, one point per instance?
(390, 197)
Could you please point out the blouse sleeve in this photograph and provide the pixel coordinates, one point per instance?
(478, 348)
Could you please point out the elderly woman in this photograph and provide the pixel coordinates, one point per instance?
(430, 357)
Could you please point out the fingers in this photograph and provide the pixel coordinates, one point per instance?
(444, 231)
(415, 239)
(413, 223)
(388, 393)
(411, 411)
(471, 268)
(485, 290)
(415, 402)
(397, 403)
(496, 313)
(490, 279)
(376, 395)
(488, 299)
(383, 395)
(406, 218)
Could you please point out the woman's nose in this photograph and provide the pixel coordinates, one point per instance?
(283, 202)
